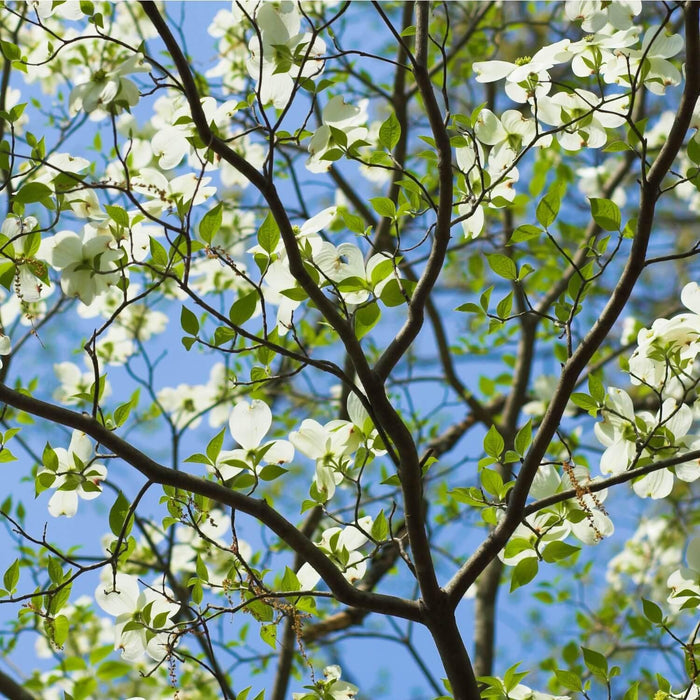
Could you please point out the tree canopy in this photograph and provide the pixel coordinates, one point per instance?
(339, 335)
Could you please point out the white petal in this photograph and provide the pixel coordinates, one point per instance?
(488, 128)
(617, 457)
(352, 537)
(690, 296)
(319, 221)
(249, 423)
(65, 249)
(655, 485)
(310, 439)
(693, 554)
(281, 452)
(679, 423)
(341, 114)
(80, 445)
(118, 597)
(489, 71)
(326, 479)
(590, 529)
(356, 411)
(308, 577)
(63, 503)
(546, 482)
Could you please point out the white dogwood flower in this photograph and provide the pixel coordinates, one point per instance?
(143, 617)
(249, 423)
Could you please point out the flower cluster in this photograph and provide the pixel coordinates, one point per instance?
(280, 53)
(664, 360)
(144, 618)
(331, 688)
(73, 473)
(341, 545)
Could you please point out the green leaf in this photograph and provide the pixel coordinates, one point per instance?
(122, 412)
(11, 577)
(366, 318)
(380, 527)
(652, 611)
(555, 551)
(384, 207)
(211, 223)
(395, 293)
(353, 222)
(198, 458)
(512, 677)
(111, 669)
(381, 271)
(596, 388)
(606, 214)
(523, 438)
(596, 663)
(290, 582)
(268, 633)
(503, 266)
(214, 446)
(570, 680)
(59, 599)
(268, 234)
(10, 51)
(548, 208)
(33, 192)
(49, 459)
(470, 307)
(223, 334)
(632, 692)
(55, 570)
(523, 572)
(200, 568)
(270, 472)
(118, 215)
(584, 401)
(159, 256)
(390, 132)
(493, 443)
(294, 293)
(189, 322)
(492, 482)
(503, 308)
(61, 627)
(526, 232)
(118, 515)
(616, 146)
(243, 308)
(694, 149)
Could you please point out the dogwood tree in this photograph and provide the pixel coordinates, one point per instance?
(354, 320)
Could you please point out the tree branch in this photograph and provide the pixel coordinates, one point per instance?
(12, 690)
(650, 188)
(257, 508)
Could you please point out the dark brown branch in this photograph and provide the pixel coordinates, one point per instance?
(382, 239)
(441, 235)
(257, 508)
(9, 688)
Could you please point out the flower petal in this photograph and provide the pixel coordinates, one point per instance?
(249, 423)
